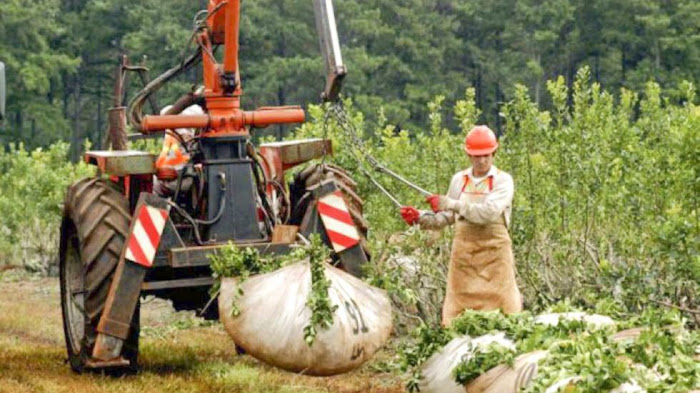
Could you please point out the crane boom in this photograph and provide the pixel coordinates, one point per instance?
(330, 49)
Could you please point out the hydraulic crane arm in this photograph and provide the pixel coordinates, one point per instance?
(222, 83)
(330, 49)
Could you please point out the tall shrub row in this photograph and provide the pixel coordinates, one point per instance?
(606, 199)
(607, 190)
(32, 188)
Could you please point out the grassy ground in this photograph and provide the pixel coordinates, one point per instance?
(179, 353)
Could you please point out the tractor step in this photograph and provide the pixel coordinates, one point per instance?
(98, 364)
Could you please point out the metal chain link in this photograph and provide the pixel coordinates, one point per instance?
(360, 152)
(326, 116)
(350, 130)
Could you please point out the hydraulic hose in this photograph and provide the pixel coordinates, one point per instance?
(134, 113)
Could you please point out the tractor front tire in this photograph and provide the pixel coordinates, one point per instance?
(301, 196)
(93, 231)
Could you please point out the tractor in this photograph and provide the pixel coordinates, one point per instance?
(136, 229)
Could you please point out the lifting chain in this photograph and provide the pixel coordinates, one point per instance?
(361, 154)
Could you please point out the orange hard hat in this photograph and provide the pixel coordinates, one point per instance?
(480, 141)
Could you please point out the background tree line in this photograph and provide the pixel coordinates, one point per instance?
(596, 101)
(61, 54)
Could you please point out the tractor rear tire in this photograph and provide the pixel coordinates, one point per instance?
(301, 195)
(93, 231)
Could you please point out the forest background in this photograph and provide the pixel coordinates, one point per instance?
(595, 103)
(61, 54)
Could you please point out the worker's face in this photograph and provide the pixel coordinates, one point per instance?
(481, 164)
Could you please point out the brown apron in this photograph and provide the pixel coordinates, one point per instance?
(482, 272)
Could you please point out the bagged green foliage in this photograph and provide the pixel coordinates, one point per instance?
(303, 316)
(582, 353)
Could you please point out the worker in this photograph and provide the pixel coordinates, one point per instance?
(173, 156)
(481, 274)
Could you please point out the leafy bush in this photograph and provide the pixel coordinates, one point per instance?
(606, 192)
(663, 348)
(32, 189)
(605, 205)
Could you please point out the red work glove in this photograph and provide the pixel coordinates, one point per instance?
(434, 201)
(410, 214)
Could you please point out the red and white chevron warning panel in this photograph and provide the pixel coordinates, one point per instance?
(336, 218)
(145, 235)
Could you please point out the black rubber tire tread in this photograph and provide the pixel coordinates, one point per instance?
(99, 214)
(315, 176)
(309, 178)
(359, 219)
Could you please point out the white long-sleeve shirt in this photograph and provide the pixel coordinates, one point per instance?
(485, 207)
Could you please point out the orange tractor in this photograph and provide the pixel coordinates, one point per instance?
(138, 228)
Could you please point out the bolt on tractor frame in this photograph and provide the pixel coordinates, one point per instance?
(135, 230)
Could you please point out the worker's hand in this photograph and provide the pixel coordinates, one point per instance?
(441, 203)
(434, 201)
(410, 214)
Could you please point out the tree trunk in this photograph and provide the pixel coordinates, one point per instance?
(75, 137)
(499, 97)
(281, 51)
(281, 98)
(478, 87)
(624, 68)
(19, 124)
(99, 130)
(657, 59)
(538, 79)
(570, 76)
(66, 95)
(32, 135)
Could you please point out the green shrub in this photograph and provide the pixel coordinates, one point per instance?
(32, 188)
(606, 191)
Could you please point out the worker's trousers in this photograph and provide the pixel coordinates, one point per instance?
(482, 271)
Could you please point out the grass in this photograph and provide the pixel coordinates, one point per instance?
(179, 353)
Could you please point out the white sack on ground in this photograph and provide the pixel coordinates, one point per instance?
(629, 387)
(592, 320)
(437, 370)
(273, 315)
(506, 379)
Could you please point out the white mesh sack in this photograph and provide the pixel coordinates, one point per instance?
(506, 379)
(273, 314)
(592, 320)
(437, 370)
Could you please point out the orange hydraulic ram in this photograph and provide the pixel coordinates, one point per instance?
(236, 120)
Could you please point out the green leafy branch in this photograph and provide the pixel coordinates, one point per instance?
(662, 358)
(318, 301)
(481, 360)
(241, 263)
